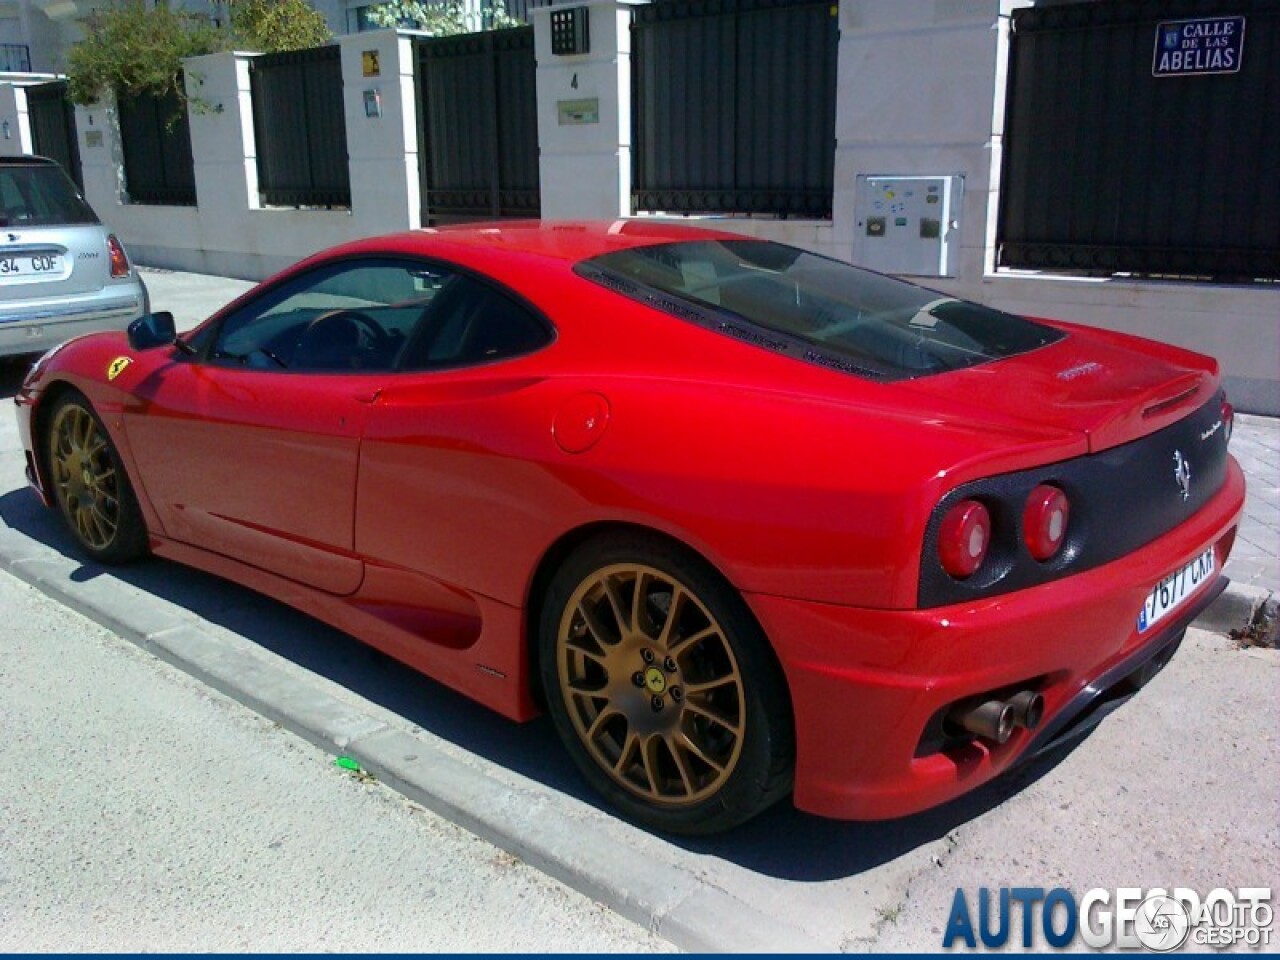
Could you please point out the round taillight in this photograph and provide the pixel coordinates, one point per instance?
(963, 538)
(1044, 521)
(1228, 419)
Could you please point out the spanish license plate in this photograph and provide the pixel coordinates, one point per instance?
(1169, 594)
(30, 265)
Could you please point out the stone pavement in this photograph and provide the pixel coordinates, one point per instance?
(1255, 561)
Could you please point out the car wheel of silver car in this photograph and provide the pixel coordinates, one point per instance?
(663, 687)
(89, 484)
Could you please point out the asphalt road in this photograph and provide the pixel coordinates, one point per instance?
(143, 812)
(1181, 787)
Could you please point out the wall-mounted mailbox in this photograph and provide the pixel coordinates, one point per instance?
(908, 225)
(570, 33)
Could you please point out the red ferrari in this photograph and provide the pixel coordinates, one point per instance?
(747, 521)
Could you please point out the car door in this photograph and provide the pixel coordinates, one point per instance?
(443, 483)
(250, 448)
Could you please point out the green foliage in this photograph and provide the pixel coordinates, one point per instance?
(269, 26)
(132, 49)
(440, 19)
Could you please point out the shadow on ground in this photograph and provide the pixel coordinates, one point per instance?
(12, 370)
(782, 843)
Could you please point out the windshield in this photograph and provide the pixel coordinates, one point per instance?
(40, 196)
(817, 309)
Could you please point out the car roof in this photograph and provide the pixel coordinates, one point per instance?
(567, 241)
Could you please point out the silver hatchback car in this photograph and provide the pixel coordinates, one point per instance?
(61, 273)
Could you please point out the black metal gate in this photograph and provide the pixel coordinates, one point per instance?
(1109, 168)
(479, 134)
(734, 106)
(155, 137)
(53, 127)
(300, 127)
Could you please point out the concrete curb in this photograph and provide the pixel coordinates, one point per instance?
(572, 842)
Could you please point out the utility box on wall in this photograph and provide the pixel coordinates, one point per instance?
(907, 225)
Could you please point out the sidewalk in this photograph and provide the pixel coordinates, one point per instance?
(1255, 561)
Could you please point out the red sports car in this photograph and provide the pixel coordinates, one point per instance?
(746, 520)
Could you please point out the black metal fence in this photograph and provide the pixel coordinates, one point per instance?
(300, 127)
(1109, 168)
(479, 126)
(734, 105)
(53, 127)
(155, 136)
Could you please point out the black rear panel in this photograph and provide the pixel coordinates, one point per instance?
(1121, 499)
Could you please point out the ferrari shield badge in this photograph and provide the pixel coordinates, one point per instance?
(117, 367)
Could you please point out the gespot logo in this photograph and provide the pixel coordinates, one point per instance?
(1158, 920)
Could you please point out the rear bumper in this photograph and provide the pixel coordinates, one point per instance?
(36, 326)
(867, 685)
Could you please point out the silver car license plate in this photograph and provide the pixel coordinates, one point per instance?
(1171, 592)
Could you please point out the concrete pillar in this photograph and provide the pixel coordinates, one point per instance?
(382, 130)
(584, 116)
(222, 141)
(15, 128)
(915, 95)
(100, 157)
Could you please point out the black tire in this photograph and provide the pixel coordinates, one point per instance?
(89, 485)
(678, 768)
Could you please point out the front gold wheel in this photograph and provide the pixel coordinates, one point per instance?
(84, 476)
(88, 483)
(651, 684)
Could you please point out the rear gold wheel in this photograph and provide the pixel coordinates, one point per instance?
(89, 484)
(651, 684)
(662, 686)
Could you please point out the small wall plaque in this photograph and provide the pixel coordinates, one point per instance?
(93, 138)
(574, 112)
(369, 61)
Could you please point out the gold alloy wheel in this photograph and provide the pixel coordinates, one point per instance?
(651, 684)
(84, 476)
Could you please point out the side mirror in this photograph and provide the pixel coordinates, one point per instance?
(152, 330)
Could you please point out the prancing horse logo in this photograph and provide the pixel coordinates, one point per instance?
(1182, 473)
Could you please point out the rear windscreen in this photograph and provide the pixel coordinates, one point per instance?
(40, 196)
(817, 309)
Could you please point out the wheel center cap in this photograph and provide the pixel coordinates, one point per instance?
(654, 681)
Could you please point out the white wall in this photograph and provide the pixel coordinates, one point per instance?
(230, 232)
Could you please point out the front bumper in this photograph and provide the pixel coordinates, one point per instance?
(867, 684)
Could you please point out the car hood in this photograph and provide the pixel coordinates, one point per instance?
(1110, 387)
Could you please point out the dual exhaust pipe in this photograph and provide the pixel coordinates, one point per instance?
(994, 720)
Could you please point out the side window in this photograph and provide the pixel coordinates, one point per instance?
(470, 323)
(353, 316)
